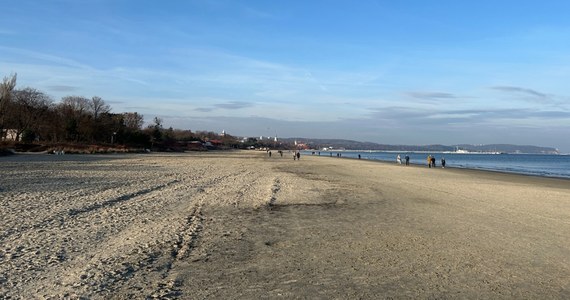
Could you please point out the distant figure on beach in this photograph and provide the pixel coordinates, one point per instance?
(443, 162)
(294, 156)
(358, 156)
(407, 160)
(429, 161)
(433, 161)
(298, 155)
(330, 154)
(269, 153)
(399, 159)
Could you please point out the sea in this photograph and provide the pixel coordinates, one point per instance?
(529, 164)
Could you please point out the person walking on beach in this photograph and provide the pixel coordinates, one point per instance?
(429, 161)
(298, 155)
(443, 162)
(407, 160)
(358, 156)
(433, 161)
(269, 153)
(399, 159)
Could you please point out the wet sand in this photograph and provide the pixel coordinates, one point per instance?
(241, 225)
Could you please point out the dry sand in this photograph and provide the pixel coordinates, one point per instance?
(241, 225)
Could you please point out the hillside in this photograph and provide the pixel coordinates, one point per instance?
(357, 145)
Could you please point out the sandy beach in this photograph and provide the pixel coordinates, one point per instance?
(241, 225)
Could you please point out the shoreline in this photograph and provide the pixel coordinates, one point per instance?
(487, 173)
(451, 166)
(418, 165)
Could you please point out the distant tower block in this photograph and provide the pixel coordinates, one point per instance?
(223, 133)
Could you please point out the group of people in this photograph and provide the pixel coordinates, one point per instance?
(431, 161)
(297, 155)
(280, 152)
(406, 160)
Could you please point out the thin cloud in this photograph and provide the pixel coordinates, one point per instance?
(135, 108)
(62, 88)
(234, 105)
(231, 105)
(57, 60)
(432, 95)
(114, 101)
(204, 109)
(520, 90)
(403, 117)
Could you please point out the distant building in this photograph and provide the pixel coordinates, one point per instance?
(301, 146)
(213, 144)
(195, 146)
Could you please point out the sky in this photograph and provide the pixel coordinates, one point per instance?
(393, 72)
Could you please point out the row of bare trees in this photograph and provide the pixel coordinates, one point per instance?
(29, 115)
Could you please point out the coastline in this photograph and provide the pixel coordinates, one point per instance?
(242, 225)
(477, 171)
(552, 167)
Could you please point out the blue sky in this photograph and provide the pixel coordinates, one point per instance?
(395, 72)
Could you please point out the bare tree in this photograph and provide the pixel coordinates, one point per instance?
(53, 128)
(75, 105)
(29, 106)
(184, 135)
(74, 111)
(155, 131)
(133, 121)
(97, 106)
(6, 88)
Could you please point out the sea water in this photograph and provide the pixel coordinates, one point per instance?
(529, 164)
